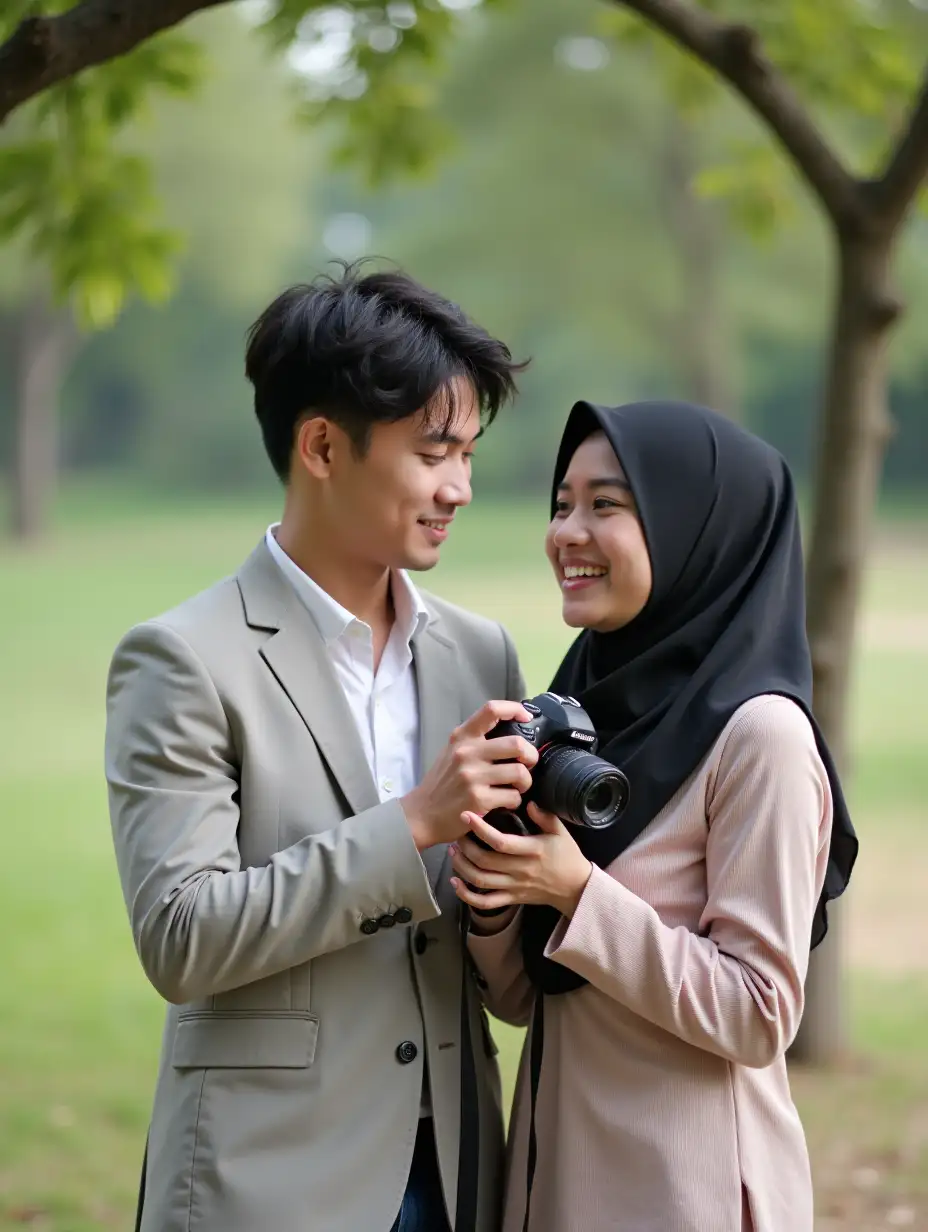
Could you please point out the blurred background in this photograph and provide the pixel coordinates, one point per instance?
(608, 209)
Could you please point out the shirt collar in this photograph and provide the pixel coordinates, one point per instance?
(331, 619)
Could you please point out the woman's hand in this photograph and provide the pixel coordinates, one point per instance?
(547, 868)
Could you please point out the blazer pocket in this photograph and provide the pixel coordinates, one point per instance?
(245, 1039)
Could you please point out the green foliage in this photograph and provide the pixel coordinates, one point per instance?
(84, 206)
(855, 63)
(752, 184)
(379, 86)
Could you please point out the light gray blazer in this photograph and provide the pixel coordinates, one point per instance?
(253, 854)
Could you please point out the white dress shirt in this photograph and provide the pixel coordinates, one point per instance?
(384, 704)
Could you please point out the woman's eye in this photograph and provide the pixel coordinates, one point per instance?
(603, 502)
(560, 508)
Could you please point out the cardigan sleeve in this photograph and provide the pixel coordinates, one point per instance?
(735, 987)
(507, 990)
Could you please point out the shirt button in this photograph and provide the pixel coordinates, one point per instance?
(387, 784)
(406, 1052)
(421, 943)
(402, 915)
(386, 921)
(369, 927)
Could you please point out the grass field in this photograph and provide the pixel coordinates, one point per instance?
(79, 1027)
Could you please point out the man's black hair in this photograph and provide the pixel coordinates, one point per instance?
(363, 349)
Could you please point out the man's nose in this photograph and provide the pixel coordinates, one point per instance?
(455, 492)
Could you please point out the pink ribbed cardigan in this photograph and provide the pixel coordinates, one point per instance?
(664, 1104)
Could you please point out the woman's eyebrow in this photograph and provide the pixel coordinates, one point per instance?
(605, 481)
(610, 481)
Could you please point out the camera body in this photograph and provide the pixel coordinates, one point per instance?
(568, 778)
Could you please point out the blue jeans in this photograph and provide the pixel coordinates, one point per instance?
(423, 1208)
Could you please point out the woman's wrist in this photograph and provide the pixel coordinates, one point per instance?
(568, 903)
(489, 925)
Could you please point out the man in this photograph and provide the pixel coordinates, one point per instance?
(288, 756)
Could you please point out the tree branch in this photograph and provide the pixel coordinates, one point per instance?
(733, 51)
(907, 166)
(45, 50)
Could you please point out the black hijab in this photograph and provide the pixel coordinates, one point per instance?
(725, 622)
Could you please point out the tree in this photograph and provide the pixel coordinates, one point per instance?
(74, 84)
(849, 57)
(74, 81)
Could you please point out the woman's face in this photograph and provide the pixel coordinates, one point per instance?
(596, 544)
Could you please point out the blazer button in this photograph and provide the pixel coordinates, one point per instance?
(421, 943)
(406, 1052)
(386, 921)
(402, 915)
(369, 927)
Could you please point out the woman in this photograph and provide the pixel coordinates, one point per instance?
(670, 949)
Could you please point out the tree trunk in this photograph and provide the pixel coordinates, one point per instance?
(700, 329)
(43, 347)
(854, 431)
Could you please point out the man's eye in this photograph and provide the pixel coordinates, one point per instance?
(433, 458)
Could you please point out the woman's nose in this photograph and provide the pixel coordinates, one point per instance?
(571, 530)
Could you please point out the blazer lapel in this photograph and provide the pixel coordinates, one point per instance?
(440, 711)
(296, 655)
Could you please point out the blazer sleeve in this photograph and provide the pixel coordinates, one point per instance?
(202, 923)
(735, 987)
(497, 955)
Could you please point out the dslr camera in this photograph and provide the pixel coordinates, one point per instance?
(568, 779)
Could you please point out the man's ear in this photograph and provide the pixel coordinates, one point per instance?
(312, 449)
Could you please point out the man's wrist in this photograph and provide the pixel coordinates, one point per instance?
(418, 825)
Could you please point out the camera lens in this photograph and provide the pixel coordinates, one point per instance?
(580, 787)
(601, 798)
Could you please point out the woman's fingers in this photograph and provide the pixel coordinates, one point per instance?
(487, 902)
(550, 823)
(505, 844)
(483, 877)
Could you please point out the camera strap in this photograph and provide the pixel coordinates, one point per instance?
(141, 1202)
(536, 1050)
(465, 1219)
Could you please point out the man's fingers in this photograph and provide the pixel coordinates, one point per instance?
(489, 797)
(508, 774)
(491, 713)
(511, 748)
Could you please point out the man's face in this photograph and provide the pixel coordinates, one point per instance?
(393, 507)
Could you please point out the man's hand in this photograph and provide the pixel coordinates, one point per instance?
(471, 775)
